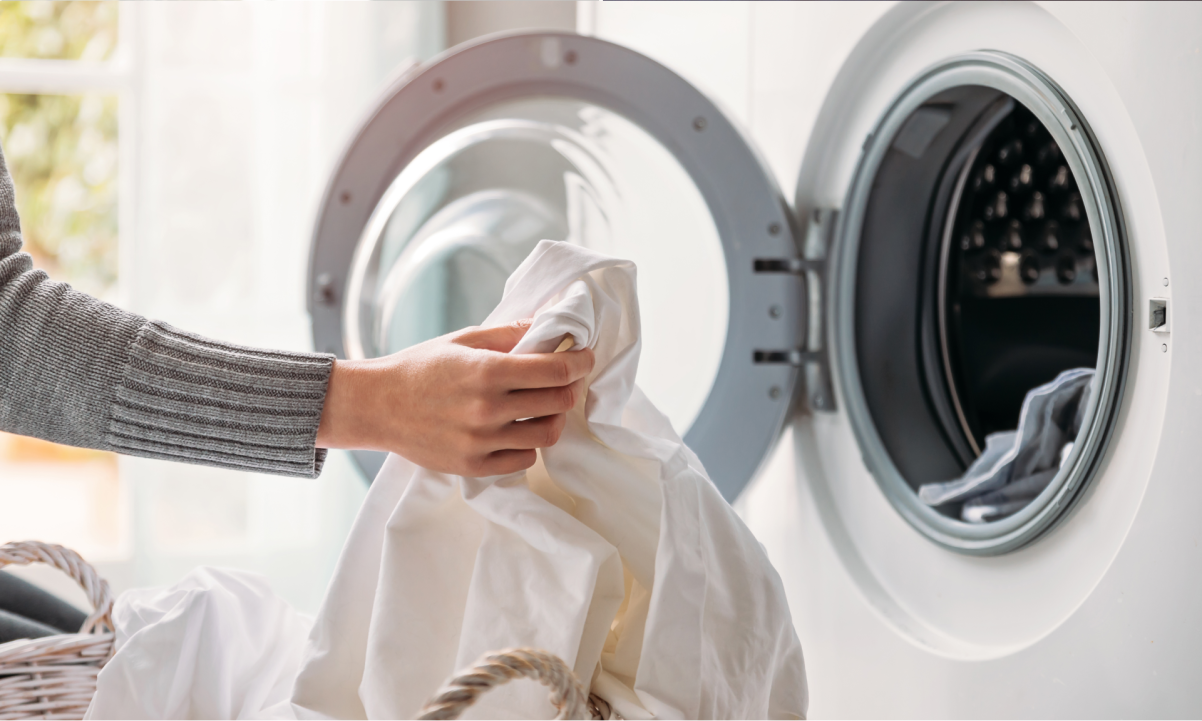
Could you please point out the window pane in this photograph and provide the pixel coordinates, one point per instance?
(62, 153)
(58, 30)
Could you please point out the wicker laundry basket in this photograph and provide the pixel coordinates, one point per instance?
(55, 677)
(567, 693)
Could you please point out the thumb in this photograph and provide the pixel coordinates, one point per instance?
(501, 338)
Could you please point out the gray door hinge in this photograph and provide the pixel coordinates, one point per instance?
(813, 358)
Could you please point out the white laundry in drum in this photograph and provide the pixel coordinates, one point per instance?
(1017, 465)
(615, 552)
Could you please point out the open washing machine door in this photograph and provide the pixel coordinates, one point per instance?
(980, 252)
(471, 159)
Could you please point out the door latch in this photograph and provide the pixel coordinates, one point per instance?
(813, 358)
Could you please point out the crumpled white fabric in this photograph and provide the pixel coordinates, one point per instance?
(218, 645)
(1017, 465)
(615, 552)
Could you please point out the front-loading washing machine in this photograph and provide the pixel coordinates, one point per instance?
(992, 194)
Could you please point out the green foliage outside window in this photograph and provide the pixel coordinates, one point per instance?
(62, 153)
(58, 30)
(62, 149)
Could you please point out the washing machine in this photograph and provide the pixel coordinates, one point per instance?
(992, 194)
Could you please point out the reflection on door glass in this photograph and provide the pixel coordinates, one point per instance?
(62, 153)
(74, 30)
(462, 216)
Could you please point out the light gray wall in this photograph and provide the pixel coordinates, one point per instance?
(467, 19)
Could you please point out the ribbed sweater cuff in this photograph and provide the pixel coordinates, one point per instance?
(191, 399)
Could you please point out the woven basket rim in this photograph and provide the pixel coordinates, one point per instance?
(55, 676)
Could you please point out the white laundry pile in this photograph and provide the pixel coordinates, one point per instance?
(217, 645)
(1016, 466)
(614, 552)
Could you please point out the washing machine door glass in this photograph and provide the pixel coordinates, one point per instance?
(982, 304)
(470, 208)
(471, 160)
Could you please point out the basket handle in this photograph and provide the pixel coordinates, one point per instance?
(23, 553)
(496, 669)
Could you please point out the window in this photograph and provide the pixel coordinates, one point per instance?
(62, 153)
(167, 158)
(62, 84)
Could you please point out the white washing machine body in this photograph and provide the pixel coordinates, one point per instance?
(1097, 616)
(1080, 604)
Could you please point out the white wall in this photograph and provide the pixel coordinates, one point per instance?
(468, 19)
(769, 65)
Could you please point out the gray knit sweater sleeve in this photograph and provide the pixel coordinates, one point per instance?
(78, 371)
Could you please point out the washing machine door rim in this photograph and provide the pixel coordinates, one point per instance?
(765, 338)
(1026, 84)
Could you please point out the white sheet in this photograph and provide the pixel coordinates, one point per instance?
(217, 645)
(615, 552)
(628, 564)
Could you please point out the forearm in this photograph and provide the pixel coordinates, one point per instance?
(79, 371)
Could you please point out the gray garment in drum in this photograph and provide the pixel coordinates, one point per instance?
(78, 371)
(1017, 465)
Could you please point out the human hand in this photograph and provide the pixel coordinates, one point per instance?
(452, 404)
